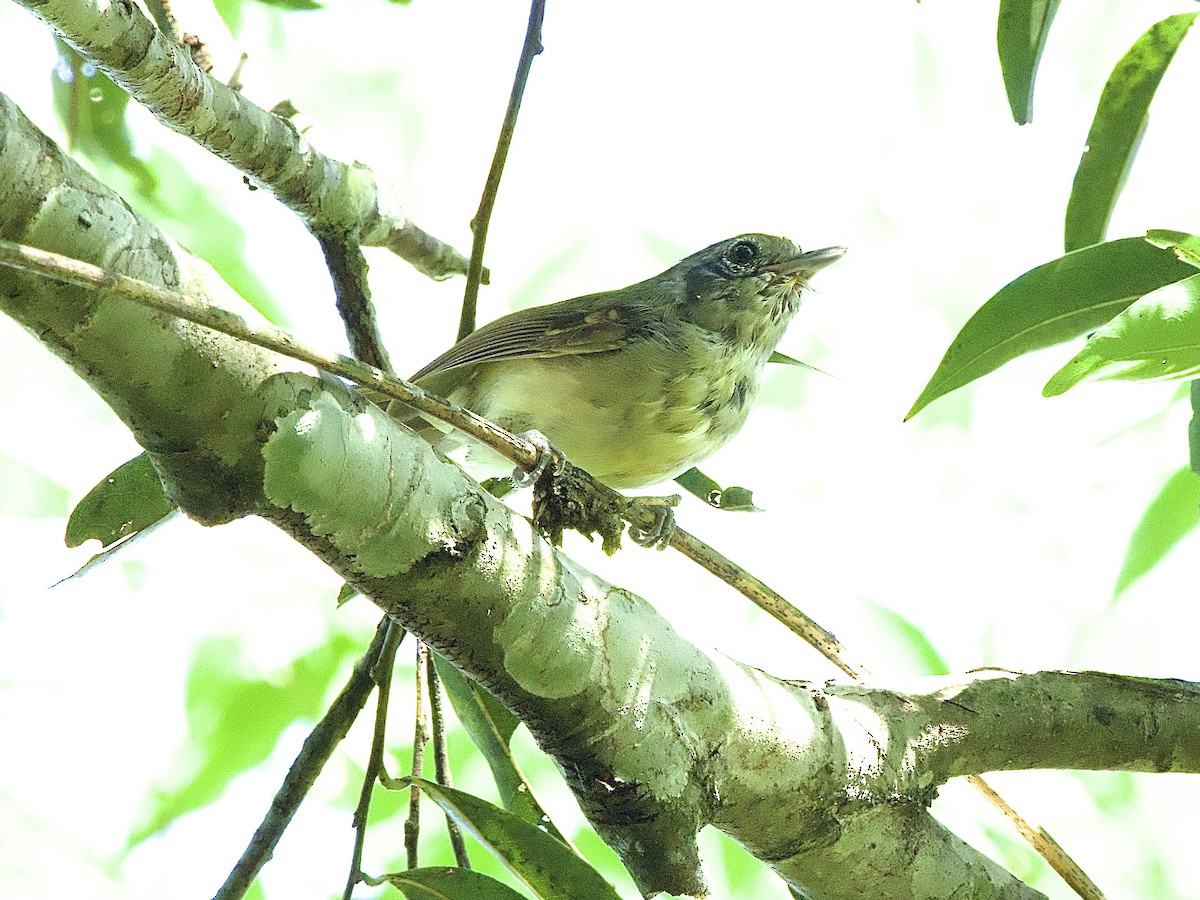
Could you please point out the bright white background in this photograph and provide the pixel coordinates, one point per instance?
(995, 522)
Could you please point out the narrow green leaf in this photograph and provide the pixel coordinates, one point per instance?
(735, 499)
(784, 359)
(548, 867)
(448, 883)
(491, 727)
(1055, 302)
(28, 492)
(1171, 514)
(130, 499)
(1156, 337)
(1117, 130)
(1021, 32)
(1194, 428)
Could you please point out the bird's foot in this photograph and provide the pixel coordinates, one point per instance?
(651, 520)
(548, 458)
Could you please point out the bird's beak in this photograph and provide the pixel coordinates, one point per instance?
(806, 264)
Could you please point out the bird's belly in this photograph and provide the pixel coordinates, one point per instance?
(626, 421)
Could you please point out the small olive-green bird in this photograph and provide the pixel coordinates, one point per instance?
(639, 384)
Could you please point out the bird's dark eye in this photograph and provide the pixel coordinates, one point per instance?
(741, 255)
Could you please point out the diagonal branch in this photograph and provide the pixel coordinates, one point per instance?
(483, 216)
(328, 195)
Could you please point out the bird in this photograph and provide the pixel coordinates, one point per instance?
(639, 384)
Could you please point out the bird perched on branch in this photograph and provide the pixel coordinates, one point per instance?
(638, 384)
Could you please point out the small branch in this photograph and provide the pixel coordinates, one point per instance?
(348, 269)
(381, 675)
(158, 72)
(412, 825)
(1047, 847)
(317, 749)
(483, 216)
(441, 757)
(768, 600)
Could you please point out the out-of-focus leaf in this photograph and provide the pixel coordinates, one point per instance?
(1055, 302)
(1156, 337)
(28, 492)
(92, 110)
(1117, 129)
(235, 722)
(491, 727)
(294, 5)
(1170, 515)
(130, 499)
(447, 883)
(1021, 32)
(231, 12)
(910, 640)
(209, 231)
(544, 864)
(736, 499)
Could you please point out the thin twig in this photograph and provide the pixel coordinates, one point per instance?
(483, 216)
(348, 269)
(317, 749)
(381, 674)
(766, 599)
(516, 449)
(262, 334)
(412, 825)
(441, 757)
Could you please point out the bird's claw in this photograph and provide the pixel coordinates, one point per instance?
(547, 456)
(661, 510)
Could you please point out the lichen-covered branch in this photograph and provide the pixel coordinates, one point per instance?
(331, 197)
(828, 783)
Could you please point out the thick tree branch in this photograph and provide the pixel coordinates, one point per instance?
(330, 196)
(656, 736)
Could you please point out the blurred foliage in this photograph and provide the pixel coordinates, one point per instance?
(235, 721)
(29, 492)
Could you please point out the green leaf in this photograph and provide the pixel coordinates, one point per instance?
(1170, 515)
(1156, 337)
(544, 864)
(736, 499)
(1194, 428)
(28, 492)
(491, 727)
(784, 359)
(1021, 32)
(1117, 130)
(129, 500)
(92, 110)
(1055, 302)
(1186, 246)
(448, 883)
(235, 721)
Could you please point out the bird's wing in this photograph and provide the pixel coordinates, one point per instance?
(592, 324)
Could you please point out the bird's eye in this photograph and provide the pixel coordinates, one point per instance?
(741, 255)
